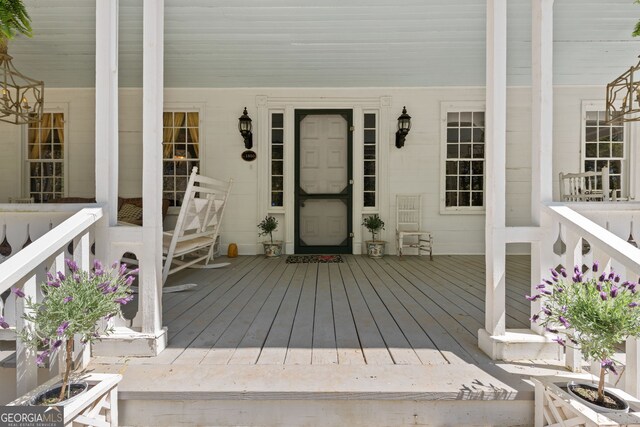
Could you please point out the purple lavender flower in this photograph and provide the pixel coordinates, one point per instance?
(129, 280)
(72, 265)
(3, 323)
(548, 282)
(547, 292)
(67, 299)
(41, 357)
(564, 321)
(98, 269)
(53, 283)
(532, 298)
(546, 311)
(61, 276)
(563, 272)
(50, 276)
(577, 278)
(534, 318)
(616, 278)
(134, 272)
(602, 278)
(122, 301)
(77, 278)
(595, 266)
(625, 284)
(603, 296)
(103, 285)
(632, 287)
(18, 292)
(599, 287)
(609, 365)
(63, 327)
(553, 271)
(633, 304)
(560, 341)
(541, 286)
(123, 268)
(559, 290)
(613, 292)
(56, 344)
(553, 331)
(563, 309)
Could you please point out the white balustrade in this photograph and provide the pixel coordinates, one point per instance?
(609, 248)
(27, 268)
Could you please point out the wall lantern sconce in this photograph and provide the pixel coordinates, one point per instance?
(244, 125)
(404, 124)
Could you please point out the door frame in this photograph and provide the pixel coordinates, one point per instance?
(299, 115)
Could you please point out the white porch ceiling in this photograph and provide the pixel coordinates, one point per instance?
(328, 43)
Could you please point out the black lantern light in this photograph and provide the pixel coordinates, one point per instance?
(244, 125)
(404, 124)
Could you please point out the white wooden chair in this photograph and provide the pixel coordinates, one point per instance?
(582, 187)
(191, 243)
(409, 232)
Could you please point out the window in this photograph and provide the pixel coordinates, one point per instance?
(277, 159)
(604, 146)
(181, 152)
(464, 160)
(45, 157)
(370, 154)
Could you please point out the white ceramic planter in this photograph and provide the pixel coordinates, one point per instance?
(272, 250)
(375, 249)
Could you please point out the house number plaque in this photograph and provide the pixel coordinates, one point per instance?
(249, 156)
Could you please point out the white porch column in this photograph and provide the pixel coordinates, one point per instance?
(495, 146)
(541, 142)
(152, 109)
(106, 163)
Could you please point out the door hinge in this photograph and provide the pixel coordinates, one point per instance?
(351, 128)
(351, 235)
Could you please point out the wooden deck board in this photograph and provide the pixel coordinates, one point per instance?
(408, 311)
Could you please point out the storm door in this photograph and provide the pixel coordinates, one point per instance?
(323, 198)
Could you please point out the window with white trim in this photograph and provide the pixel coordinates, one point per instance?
(45, 157)
(277, 159)
(370, 160)
(604, 146)
(463, 142)
(180, 152)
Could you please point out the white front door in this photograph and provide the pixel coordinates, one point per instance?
(323, 181)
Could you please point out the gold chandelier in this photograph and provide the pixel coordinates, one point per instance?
(21, 97)
(623, 97)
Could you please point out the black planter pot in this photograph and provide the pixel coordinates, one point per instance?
(622, 404)
(77, 388)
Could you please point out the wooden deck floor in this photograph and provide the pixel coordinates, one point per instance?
(409, 311)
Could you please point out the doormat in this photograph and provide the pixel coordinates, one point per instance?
(313, 259)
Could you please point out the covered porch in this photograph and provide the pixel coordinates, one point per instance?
(375, 341)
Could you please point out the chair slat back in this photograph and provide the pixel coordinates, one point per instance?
(408, 212)
(585, 186)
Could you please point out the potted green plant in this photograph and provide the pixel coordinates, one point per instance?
(375, 224)
(72, 305)
(14, 20)
(594, 312)
(267, 226)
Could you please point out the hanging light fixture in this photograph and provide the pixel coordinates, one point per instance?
(244, 126)
(404, 125)
(623, 97)
(21, 97)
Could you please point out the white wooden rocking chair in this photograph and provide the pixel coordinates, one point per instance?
(191, 243)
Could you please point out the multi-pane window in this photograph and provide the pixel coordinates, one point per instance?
(180, 153)
(464, 164)
(604, 146)
(45, 157)
(370, 160)
(277, 159)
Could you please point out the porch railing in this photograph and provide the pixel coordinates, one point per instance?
(573, 229)
(28, 267)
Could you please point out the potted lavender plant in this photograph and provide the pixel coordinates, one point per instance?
(73, 304)
(594, 312)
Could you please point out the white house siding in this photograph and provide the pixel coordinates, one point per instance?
(412, 169)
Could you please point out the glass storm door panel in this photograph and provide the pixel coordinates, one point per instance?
(323, 184)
